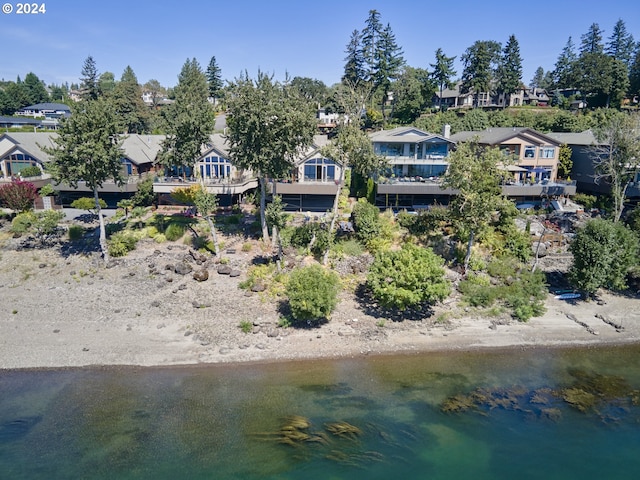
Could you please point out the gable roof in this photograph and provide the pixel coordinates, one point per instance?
(405, 135)
(585, 138)
(500, 135)
(61, 107)
(141, 149)
(28, 142)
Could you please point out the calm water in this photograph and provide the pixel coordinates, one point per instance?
(228, 422)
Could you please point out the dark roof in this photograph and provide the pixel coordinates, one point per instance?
(48, 106)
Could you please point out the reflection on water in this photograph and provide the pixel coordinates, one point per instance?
(528, 414)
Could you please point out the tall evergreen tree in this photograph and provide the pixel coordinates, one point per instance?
(389, 66)
(634, 75)
(371, 35)
(621, 44)
(127, 98)
(89, 79)
(564, 73)
(443, 73)
(509, 72)
(35, 89)
(479, 63)
(538, 78)
(189, 120)
(214, 79)
(591, 42)
(354, 62)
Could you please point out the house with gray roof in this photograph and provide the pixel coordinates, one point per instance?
(416, 161)
(582, 146)
(45, 110)
(313, 182)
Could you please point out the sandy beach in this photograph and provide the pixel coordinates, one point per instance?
(68, 311)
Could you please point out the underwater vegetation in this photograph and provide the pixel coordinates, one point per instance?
(608, 397)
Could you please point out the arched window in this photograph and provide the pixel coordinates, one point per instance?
(319, 170)
(18, 162)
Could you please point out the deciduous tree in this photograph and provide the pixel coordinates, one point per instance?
(269, 125)
(474, 172)
(88, 149)
(616, 158)
(603, 252)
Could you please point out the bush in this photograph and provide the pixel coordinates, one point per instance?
(121, 243)
(513, 286)
(144, 196)
(18, 196)
(366, 221)
(408, 277)
(603, 252)
(31, 171)
(87, 203)
(313, 293)
(75, 232)
(587, 201)
(46, 190)
(175, 231)
(23, 222)
(47, 222)
(301, 237)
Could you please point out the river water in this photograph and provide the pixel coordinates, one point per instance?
(526, 414)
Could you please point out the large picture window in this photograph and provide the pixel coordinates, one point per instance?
(319, 170)
(215, 168)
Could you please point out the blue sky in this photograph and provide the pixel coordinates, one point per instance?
(300, 37)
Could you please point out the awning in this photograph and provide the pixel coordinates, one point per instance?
(512, 168)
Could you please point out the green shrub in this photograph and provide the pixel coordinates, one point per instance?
(47, 222)
(30, 171)
(121, 243)
(301, 237)
(160, 238)
(138, 212)
(175, 231)
(586, 200)
(312, 292)
(246, 247)
(348, 248)
(87, 203)
(246, 326)
(23, 222)
(408, 277)
(75, 232)
(366, 221)
(46, 190)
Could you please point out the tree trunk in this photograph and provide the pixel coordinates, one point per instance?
(467, 257)
(274, 229)
(336, 202)
(263, 206)
(214, 236)
(103, 230)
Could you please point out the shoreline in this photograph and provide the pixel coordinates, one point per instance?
(71, 312)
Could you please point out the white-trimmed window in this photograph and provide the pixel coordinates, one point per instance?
(215, 167)
(529, 151)
(319, 170)
(547, 152)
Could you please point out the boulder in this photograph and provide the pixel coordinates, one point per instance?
(234, 273)
(182, 268)
(224, 269)
(201, 275)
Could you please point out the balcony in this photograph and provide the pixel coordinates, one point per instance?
(432, 186)
(306, 188)
(218, 186)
